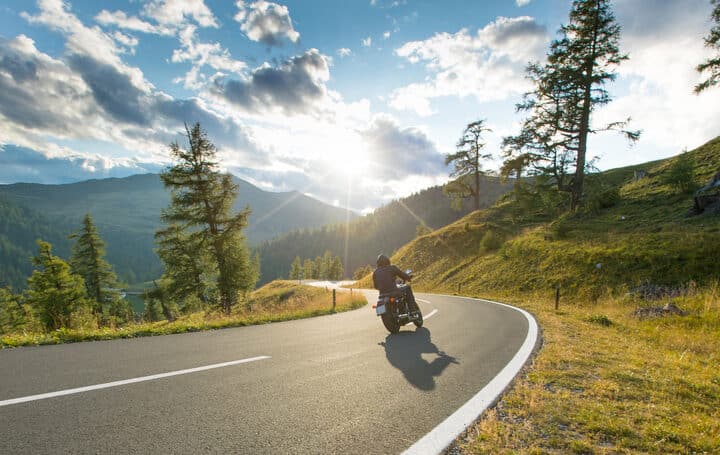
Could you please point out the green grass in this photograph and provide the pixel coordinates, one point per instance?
(274, 302)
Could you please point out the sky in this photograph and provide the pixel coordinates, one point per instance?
(354, 102)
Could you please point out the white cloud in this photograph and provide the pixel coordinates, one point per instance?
(367, 42)
(344, 52)
(397, 152)
(266, 22)
(522, 2)
(277, 123)
(659, 77)
(174, 13)
(81, 39)
(122, 20)
(130, 42)
(166, 17)
(91, 94)
(489, 65)
(386, 35)
(201, 54)
(20, 164)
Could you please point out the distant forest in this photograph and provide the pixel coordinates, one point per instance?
(20, 227)
(385, 230)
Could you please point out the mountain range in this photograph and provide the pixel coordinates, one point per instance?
(127, 214)
(385, 230)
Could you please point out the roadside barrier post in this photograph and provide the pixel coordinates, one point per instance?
(557, 297)
(333, 300)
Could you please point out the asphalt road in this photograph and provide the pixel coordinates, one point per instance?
(332, 384)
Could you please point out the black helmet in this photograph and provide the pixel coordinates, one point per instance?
(382, 260)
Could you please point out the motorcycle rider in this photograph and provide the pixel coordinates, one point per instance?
(384, 280)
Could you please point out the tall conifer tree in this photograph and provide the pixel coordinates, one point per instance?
(467, 162)
(584, 59)
(296, 270)
(88, 261)
(53, 291)
(200, 207)
(567, 90)
(188, 268)
(309, 269)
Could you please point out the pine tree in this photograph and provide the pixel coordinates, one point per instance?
(547, 143)
(14, 316)
(552, 143)
(711, 65)
(309, 269)
(296, 269)
(467, 161)
(336, 270)
(200, 206)
(580, 63)
(320, 270)
(325, 265)
(53, 291)
(188, 267)
(88, 261)
(153, 310)
(252, 274)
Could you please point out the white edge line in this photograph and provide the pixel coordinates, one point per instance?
(106, 385)
(440, 437)
(427, 316)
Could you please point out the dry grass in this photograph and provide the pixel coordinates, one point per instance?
(630, 386)
(277, 301)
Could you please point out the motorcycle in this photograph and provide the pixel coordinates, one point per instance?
(394, 309)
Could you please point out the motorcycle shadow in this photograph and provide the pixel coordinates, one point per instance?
(404, 351)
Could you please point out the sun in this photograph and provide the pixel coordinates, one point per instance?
(351, 160)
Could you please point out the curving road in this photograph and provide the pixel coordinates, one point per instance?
(333, 384)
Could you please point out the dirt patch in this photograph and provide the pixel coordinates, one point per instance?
(669, 309)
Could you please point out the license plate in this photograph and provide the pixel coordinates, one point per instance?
(380, 310)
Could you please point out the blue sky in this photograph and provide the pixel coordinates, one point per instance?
(353, 102)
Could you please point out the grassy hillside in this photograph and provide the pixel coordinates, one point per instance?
(605, 380)
(644, 237)
(127, 214)
(385, 230)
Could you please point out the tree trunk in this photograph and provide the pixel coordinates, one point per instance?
(585, 118)
(577, 189)
(477, 189)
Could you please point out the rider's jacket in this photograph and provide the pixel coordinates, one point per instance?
(384, 278)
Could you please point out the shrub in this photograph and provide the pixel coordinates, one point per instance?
(491, 241)
(600, 319)
(601, 198)
(559, 228)
(681, 174)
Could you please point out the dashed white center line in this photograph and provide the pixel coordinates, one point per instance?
(107, 385)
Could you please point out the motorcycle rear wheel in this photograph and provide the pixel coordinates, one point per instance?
(390, 323)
